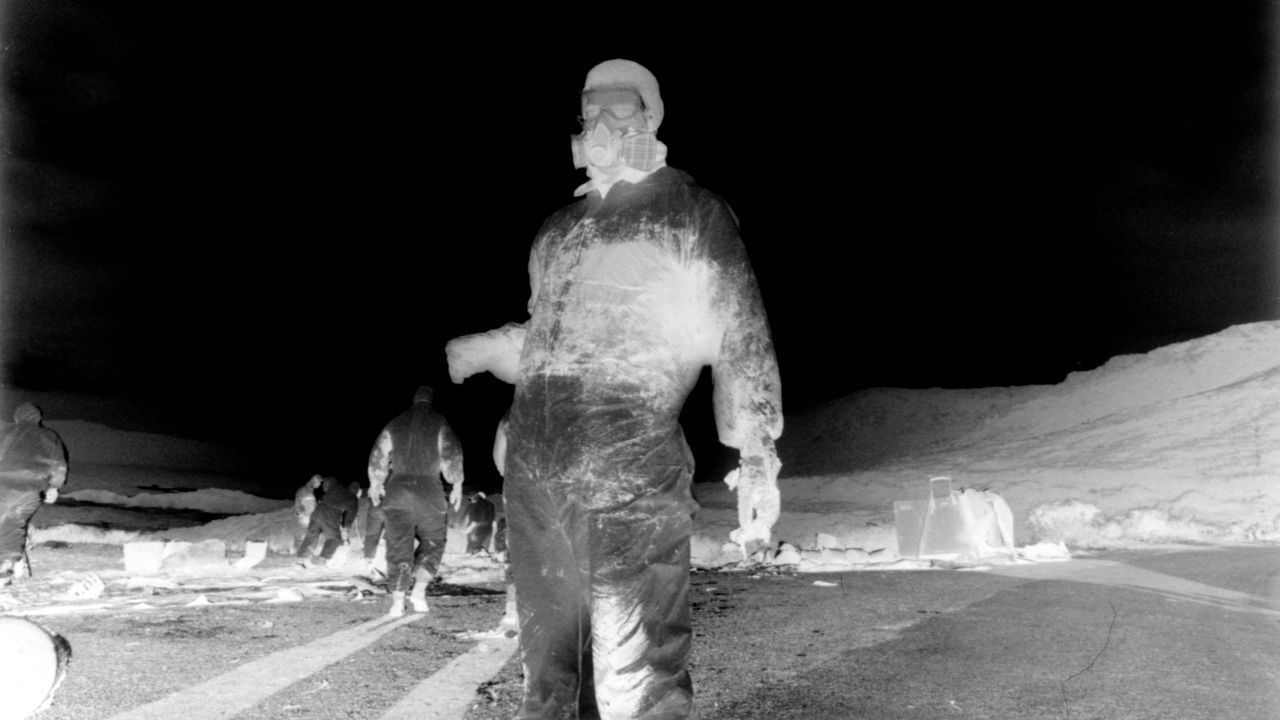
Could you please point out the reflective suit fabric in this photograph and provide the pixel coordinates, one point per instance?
(411, 452)
(32, 459)
(632, 294)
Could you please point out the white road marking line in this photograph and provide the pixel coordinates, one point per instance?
(449, 691)
(251, 683)
(1109, 572)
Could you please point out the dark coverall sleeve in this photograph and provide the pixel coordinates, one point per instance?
(34, 458)
(747, 391)
(450, 455)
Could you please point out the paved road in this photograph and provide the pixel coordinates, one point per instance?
(446, 693)
(1171, 635)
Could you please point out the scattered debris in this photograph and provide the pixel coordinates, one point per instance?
(87, 588)
(285, 595)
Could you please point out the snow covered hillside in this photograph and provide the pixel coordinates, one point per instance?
(1178, 444)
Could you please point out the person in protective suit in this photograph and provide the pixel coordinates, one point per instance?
(33, 465)
(335, 512)
(479, 517)
(635, 288)
(405, 466)
(304, 500)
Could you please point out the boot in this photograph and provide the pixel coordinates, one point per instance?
(419, 596)
(510, 620)
(397, 605)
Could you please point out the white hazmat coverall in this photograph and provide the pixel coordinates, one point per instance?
(632, 295)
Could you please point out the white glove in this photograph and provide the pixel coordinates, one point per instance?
(759, 500)
(455, 497)
(496, 351)
(377, 488)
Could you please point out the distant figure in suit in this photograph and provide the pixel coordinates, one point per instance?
(336, 507)
(405, 466)
(304, 501)
(33, 465)
(478, 517)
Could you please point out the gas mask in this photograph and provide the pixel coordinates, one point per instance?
(603, 149)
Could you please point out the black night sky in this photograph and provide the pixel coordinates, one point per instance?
(261, 225)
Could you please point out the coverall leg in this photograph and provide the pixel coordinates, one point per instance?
(374, 522)
(431, 531)
(424, 525)
(548, 560)
(400, 540)
(641, 657)
(16, 508)
(599, 552)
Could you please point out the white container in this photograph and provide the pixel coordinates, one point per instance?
(143, 557)
(953, 525)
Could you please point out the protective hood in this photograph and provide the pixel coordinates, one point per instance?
(628, 73)
(27, 413)
(639, 154)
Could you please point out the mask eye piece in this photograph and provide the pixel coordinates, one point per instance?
(622, 111)
(620, 104)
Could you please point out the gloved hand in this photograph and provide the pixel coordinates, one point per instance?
(51, 496)
(759, 500)
(497, 351)
(342, 531)
(455, 497)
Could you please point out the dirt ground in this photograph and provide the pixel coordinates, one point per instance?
(127, 652)
(132, 644)
(756, 630)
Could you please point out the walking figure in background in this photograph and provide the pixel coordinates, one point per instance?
(371, 520)
(33, 466)
(405, 466)
(336, 506)
(635, 288)
(477, 518)
(304, 501)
